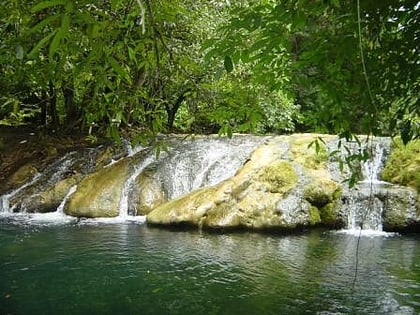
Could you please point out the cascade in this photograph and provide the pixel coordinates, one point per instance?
(371, 168)
(204, 162)
(60, 208)
(5, 199)
(138, 169)
(364, 208)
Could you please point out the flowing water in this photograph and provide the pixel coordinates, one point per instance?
(134, 269)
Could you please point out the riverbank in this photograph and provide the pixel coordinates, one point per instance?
(20, 146)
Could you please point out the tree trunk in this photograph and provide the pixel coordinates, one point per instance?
(53, 105)
(172, 110)
(70, 106)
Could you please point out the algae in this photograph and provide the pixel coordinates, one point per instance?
(403, 166)
(278, 177)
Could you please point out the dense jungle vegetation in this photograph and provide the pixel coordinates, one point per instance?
(204, 66)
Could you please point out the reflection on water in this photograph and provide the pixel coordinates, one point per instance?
(133, 269)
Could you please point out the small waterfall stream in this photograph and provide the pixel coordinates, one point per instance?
(5, 199)
(364, 207)
(124, 202)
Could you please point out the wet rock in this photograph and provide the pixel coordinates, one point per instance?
(147, 193)
(399, 209)
(24, 174)
(49, 200)
(264, 194)
(99, 193)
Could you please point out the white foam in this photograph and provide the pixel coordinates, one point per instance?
(49, 218)
(365, 233)
(115, 220)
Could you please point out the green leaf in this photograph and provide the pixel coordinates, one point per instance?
(55, 43)
(47, 4)
(41, 44)
(228, 64)
(122, 72)
(47, 21)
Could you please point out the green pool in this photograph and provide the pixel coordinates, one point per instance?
(128, 268)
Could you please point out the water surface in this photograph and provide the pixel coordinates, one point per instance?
(133, 269)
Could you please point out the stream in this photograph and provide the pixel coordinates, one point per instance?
(130, 268)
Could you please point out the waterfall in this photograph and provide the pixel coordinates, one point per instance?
(60, 208)
(4, 200)
(363, 205)
(138, 169)
(371, 168)
(204, 162)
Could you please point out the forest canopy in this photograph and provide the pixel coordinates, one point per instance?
(260, 66)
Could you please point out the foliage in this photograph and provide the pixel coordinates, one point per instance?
(208, 66)
(403, 166)
(314, 50)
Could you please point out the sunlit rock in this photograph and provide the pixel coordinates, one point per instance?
(99, 194)
(146, 194)
(265, 193)
(399, 210)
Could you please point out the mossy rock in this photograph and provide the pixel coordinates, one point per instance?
(309, 150)
(49, 200)
(403, 165)
(99, 194)
(278, 177)
(321, 192)
(189, 209)
(329, 213)
(22, 175)
(314, 215)
(399, 211)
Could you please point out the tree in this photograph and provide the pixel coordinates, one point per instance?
(338, 59)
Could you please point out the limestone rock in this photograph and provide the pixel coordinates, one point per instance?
(99, 194)
(22, 175)
(49, 200)
(146, 194)
(264, 194)
(399, 211)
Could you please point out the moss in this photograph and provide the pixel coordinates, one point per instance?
(321, 192)
(328, 213)
(314, 215)
(278, 177)
(309, 151)
(403, 166)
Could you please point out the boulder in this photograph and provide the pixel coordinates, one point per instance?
(49, 200)
(146, 194)
(399, 209)
(266, 193)
(99, 193)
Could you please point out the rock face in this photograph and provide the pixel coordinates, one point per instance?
(146, 194)
(44, 190)
(400, 211)
(99, 194)
(270, 191)
(278, 183)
